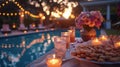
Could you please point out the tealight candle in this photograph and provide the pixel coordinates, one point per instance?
(14, 26)
(103, 38)
(117, 44)
(53, 61)
(37, 30)
(96, 41)
(25, 32)
(33, 25)
(5, 34)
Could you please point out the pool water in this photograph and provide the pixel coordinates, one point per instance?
(18, 51)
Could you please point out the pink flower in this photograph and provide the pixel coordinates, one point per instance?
(91, 19)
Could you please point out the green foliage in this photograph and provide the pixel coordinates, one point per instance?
(112, 32)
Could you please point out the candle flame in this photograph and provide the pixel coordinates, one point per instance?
(22, 15)
(14, 26)
(33, 25)
(96, 40)
(103, 37)
(25, 31)
(65, 34)
(117, 44)
(5, 34)
(70, 31)
(37, 30)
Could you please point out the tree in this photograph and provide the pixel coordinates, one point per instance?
(54, 8)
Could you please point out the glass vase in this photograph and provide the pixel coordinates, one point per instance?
(88, 34)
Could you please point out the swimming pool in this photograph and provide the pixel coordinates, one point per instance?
(20, 50)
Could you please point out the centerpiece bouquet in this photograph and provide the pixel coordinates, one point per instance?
(88, 21)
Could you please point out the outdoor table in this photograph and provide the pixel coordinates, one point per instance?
(70, 62)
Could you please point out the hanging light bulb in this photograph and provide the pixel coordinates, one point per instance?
(13, 0)
(7, 14)
(26, 12)
(22, 15)
(3, 4)
(6, 2)
(11, 14)
(15, 14)
(18, 5)
(3, 13)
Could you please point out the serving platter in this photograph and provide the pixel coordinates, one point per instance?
(80, 42)
(96, 62)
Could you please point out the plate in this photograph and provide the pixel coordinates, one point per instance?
(72, 49)
(82, 59)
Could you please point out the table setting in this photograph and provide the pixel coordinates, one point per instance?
(89, 50)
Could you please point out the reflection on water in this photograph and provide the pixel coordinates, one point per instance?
(12, 54)
(18, 51)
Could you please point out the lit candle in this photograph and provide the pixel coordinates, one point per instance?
(103, 38)
(6, 34)
(117, 44)
(96, 41)
(33, 25)
(72, 35)
(37, 30)
(25, 32)
(14, 26)
(67, 36)
(53, 61)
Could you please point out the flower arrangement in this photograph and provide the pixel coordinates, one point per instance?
(89, 19)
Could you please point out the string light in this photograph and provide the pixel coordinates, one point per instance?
(7, 14)
(72, 16)
(3, 13)
(6, 2)
(11, 14)
(22, 15)
(3, 4)
(43, 17)
(13, 0)
(22, 9)
(15, 14)
(26, 12)
(18, 5)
